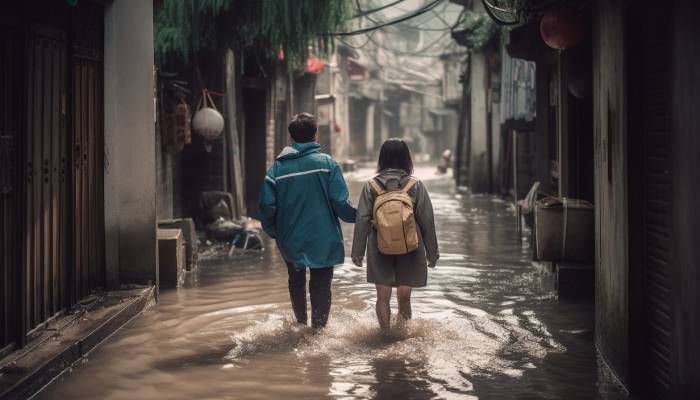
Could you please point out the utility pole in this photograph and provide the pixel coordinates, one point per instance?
(382, 127)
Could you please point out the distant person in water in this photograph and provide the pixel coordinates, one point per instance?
(396, 227)
(302, 198)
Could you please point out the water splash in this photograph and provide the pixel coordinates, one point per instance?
(447, 351)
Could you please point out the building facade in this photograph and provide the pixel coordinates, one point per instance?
(615, 124)
(77, 157)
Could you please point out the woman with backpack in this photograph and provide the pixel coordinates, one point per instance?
(395, 224)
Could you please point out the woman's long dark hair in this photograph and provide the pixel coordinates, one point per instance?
(395, 154)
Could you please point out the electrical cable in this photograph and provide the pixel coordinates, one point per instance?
(357, 46)
(406, 26)
(410, 53)
(374, 10)
(366, 15)
(415, 27)
(394, 21)
(437, 14)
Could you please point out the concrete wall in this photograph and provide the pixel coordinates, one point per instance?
(611, 194)
(340, 142)
(369, 129)
(130, 170)
(461, 156)
(478, 163)
(542, 161)
(164, 176)
(496, 148)
(304, 94)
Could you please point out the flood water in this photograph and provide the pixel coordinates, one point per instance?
(487, 326)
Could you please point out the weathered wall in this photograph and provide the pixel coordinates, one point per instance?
(358, 125)
(542, 128)
(130, 171)
(304, 94)
(497, 161)
(369, 129)
(461, 166)
(478, 167)
(164, 178)
(685, 168)
(611, 195)
(340, 144)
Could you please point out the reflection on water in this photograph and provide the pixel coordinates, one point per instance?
(486, 327)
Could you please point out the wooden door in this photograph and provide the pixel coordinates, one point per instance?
(88, 151)
(51, 165)
(44, 253)
(255, 144)
(11, 122)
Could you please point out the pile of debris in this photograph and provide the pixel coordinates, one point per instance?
(241, 236)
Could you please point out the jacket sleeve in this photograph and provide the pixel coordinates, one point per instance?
(339, 196)
(426, 222)
(362, 226)
(267, 204)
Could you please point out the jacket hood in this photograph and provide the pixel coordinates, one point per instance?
(392, 178)
(296, 150)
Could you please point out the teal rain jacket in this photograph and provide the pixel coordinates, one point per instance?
(303, 196)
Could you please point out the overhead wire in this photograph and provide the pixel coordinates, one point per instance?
(426, 8)
(396, 24)
(365, 14)
(373, 10)
(436, 14)
(410, 53)
(369, 37)
(405, 26)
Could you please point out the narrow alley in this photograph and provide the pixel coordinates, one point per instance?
(151, 150)
(487, 326)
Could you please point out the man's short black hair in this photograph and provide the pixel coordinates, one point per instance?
(302, 128)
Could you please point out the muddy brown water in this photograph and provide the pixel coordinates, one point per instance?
(487, 326)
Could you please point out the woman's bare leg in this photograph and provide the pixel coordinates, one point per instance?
(382, 307)
(404, 296)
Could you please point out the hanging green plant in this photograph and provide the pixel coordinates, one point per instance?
(184, 27)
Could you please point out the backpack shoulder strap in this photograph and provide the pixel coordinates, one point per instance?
(376, 187)
(411, 183)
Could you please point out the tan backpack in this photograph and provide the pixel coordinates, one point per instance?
(394, 219)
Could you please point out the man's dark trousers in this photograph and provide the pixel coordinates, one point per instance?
(319, 289)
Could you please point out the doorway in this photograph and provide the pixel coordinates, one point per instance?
(255, 144)
(51, 201)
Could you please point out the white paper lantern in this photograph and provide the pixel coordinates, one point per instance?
(208, 123)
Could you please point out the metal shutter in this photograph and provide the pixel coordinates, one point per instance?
(657, 201)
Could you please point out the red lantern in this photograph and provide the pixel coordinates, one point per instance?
(314, 65)
(562, 28)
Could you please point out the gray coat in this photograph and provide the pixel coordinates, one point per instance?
(403, 270)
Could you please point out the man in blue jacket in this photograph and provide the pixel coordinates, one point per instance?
(300, 202)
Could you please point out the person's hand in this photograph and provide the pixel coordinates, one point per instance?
(431, 264)
(357, 261)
